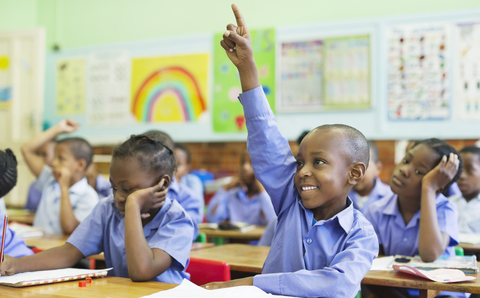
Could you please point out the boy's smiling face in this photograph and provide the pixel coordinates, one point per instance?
(323, 170)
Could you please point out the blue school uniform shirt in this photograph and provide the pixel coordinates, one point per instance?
(14, 244)
(379, 191)
(194, 183)
(104, 187)
(33, 197)
(82, 197)
(171, 230)
(399, 238)
(234, 205)
(328, 259)
(190, 201)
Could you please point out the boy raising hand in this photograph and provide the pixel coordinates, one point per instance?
(322, 247)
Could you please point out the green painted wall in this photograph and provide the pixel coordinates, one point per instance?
(76, 23)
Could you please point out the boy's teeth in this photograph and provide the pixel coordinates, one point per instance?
(308, 187)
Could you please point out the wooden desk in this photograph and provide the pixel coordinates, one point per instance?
(240, 257)
(254, 234)
(100, 287)
(470, 248)
(21, 215)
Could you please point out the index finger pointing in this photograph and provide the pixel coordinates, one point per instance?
(238, 16)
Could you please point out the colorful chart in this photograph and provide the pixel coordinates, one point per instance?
(227, 110)
(70, 87)
(170, 88)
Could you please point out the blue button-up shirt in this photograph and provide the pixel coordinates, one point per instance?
(399, 238)
(379, 191)
(234, 205)
(328, 259)
(14, 245)
(171, 230)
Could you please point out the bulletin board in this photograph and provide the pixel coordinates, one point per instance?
(407, 77)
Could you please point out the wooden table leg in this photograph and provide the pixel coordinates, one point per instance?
(429, 293)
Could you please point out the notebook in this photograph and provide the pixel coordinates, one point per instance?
(25, 231)
(49, 276)
(467, 264)
(438, 275)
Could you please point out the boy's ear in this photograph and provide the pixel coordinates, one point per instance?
(82, 165)
(167, 181)
(356, 173)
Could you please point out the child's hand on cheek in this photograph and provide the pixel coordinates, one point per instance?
(148, 199)
(63, 176)
(442, 174)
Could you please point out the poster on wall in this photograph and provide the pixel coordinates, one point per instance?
(418, 66)
(108, 88)
(5, 82)
(169, 88)
(227, 110)
(70, 87)
(325, 74)
(467, 80)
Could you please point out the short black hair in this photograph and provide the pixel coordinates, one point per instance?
(152, 154)
(80, 148)
(373, 149)
(8, 171)
(357, 144)
(185, 149)
(471, 149)
(302, 136)
(161, 136)
(443, 148)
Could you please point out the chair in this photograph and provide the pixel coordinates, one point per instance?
(202, 238)
(203, 271)
(459, 251)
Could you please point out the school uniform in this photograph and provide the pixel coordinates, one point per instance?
(189, 201)
(399, 238)
(194, 183)
(267, 236)
(171, 230)
(236, 206)
(82, 197)
(103, 187)
(379, 191)
(327, 258)
(14, 244)
(468, 219)
(33, 197)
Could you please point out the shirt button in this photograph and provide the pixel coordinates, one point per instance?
(405, 239)
(309, 240)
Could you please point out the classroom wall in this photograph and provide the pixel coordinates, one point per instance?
(18, 14)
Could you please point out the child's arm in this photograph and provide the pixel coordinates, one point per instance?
(58, 257)
(68, 221)
(432, 242)
(144, 262)
(29, 149)
(272, 159)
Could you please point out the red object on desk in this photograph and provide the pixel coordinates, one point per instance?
(203, 271)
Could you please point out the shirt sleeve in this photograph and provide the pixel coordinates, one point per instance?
(341, 278)
(88, 236)
(194, 183)
(84, 206)
(267, 207)
(104, 188)
(219, 203)
(272, 159)
(175, 236)
(448, 221)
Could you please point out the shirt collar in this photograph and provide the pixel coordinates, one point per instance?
(345, 217)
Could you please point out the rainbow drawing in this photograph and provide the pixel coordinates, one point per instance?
(170, 93)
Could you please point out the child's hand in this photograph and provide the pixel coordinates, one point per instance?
(442, 174)
(68, 125)
(63, 176)
(247, 281)
(7, 267)
(149, 198)
(236, 41)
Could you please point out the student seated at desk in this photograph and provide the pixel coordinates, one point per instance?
(371, 188)
(468, 203)
(47, 154)
(322, 247)
(242, 200)
(14, 245)
(144, 234)
(66, 196)
(101, 185)
(417, 219)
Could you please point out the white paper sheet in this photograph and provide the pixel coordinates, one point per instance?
(383, 264)
(189, 289)
(47, 275)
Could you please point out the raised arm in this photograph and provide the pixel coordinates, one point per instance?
(29, 149)
(272, 159)
(432, 242)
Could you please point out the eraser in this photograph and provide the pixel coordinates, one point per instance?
(88, 280)
(82, 284)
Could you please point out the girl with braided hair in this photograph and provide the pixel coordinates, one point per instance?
(14, 245)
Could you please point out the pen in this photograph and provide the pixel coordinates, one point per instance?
(4, 233)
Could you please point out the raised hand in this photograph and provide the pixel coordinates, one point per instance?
(149, 198)
(442, 174)
(68, 125)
